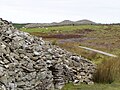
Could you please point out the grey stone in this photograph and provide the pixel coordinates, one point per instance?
(76, 81)
(36, 53)
(29, 63)
(1, 71)
(82, 74)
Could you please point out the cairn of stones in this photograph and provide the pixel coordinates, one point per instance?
(29, 63)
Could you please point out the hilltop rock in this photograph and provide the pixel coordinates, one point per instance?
(29, 63)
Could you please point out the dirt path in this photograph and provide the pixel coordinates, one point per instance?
(98, 51)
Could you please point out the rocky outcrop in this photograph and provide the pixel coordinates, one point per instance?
(29, 63)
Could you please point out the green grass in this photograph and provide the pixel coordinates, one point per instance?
(62, 28)
(106, 38)
(18, 26)
(113, 86)
(108, 71)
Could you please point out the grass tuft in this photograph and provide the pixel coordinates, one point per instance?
(108, 71)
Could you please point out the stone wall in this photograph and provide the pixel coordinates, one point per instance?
(29, 63)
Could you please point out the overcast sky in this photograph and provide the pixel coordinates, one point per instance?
(22, 11)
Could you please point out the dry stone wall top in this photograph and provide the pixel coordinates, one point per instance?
(29, 63)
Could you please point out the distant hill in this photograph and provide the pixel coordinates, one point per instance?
(65, 22)
(85, 21)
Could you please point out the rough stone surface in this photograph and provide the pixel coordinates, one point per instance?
(29, 63)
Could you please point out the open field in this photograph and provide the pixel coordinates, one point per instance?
(113, 86)
(101, 37)
(59, 29)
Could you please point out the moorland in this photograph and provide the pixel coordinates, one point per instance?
(102, 37)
